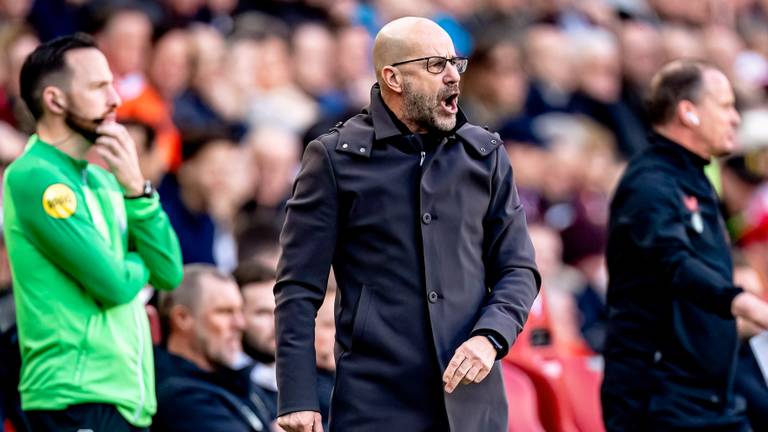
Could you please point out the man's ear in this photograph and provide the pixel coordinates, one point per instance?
(392, 78)
(687, 113)
(53, 100)
(181, 319)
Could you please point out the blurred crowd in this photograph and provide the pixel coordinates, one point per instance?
(221, 96)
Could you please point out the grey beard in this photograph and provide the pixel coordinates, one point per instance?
(422, 111)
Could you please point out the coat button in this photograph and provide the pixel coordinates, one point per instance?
(482, 149)
(362, 149)
(426, 218)
(493, 141)
(345, 145)
(432, 296)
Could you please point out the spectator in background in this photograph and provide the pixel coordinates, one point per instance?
(495, 86)
(313, 58)
(126, 39)
(641, 57)
(598, 68)
(353, 68)
(197, 386)
(150, 159)
(82, 242)
(16, 43)
(170, 67)
(210, 101)
(681, 42)
(275, 154)
(256, 281)
(275, 97)
(199, 199)
(549, 62)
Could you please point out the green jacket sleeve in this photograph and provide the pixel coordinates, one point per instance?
(155, 240)
(54, 216)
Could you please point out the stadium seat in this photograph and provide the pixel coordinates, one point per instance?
(521, 400)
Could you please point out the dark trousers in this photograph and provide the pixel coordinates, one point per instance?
(91, 417)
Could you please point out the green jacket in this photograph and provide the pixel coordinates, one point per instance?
(79, 254)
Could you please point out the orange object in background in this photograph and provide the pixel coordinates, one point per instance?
(143, 103)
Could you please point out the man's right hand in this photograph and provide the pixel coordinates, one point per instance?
(752, 308)
(301, 421)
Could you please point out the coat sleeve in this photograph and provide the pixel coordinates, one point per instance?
(654, 222)
(308, 240)
(510, 268)
(71, 241)
(155, 240)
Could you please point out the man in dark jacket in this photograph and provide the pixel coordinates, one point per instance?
(197, 388)
(672, 339)
(417, 212)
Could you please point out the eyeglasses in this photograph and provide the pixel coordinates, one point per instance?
(436, 64)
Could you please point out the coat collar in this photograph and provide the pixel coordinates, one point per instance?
(680, 153)
(377, 123)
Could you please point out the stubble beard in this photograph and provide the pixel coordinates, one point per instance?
(424, 110)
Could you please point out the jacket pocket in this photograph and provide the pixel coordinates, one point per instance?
(361, 316)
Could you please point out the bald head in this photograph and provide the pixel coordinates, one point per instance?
(406, 38)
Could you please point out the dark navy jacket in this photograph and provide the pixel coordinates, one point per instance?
(672, 341)
(427, 249)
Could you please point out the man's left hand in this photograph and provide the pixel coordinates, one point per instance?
(471, 363)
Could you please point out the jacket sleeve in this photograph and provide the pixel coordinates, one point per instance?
(71, 241)
(308, 241)
(154, 239)
(510, 267)
(654, 221)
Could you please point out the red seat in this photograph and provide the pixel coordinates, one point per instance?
(568, 389)
(521, 400)
(155, 329)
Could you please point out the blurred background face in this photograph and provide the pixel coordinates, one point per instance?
(17, 52)
(208, 172)
(276, 152)
(126, 41)
(599, 69)
(259, 310)
(219, 321)
(549, 57)
(170, 66)
(641, 53)
(314, 59)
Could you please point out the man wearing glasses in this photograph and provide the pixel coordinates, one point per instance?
(417, 212)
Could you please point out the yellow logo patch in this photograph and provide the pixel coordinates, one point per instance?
(59, 201)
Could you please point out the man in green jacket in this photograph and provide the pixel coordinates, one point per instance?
(82, 242)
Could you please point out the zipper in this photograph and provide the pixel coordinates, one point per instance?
(423, 155)
(139, 363)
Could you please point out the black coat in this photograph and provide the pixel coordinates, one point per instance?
(671, 347)
(427, 249)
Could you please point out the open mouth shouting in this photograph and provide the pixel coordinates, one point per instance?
(450, 101)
